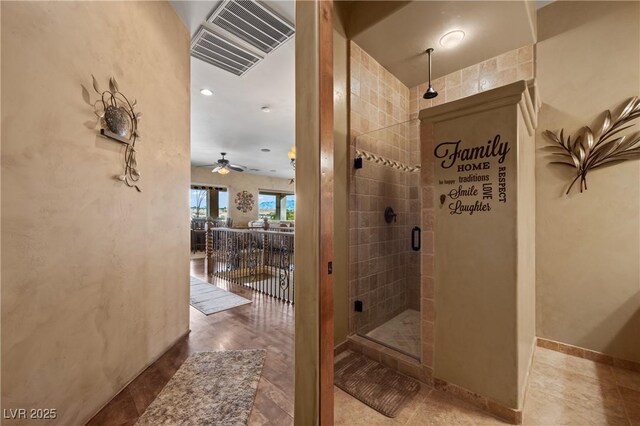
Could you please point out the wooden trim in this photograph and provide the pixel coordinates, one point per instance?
(325, 61)
(142, 370)
(307, 261)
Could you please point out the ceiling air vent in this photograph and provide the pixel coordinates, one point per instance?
(252, 22)
(221, 53)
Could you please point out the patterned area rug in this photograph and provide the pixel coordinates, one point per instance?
(209, 299)
(210, 388)
(379, 387)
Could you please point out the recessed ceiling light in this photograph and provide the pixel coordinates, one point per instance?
(265, 109)
(255, 170)
(206, 92)
(272, 170)
(265, 150)
(451, 39)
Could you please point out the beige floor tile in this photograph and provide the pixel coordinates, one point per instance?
(631, 400)
(348, 411)
(585, 367)
(627, 378)
(563, 390)
(582, 391)
(543, 408)
(440, 408)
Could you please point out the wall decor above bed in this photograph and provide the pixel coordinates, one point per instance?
(592, 150)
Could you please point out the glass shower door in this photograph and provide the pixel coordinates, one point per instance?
(386, 251)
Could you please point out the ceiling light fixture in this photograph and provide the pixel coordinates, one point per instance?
(206, 92)
(431, 92)
(265, 109)
(223, 171)
(265, 150)
(452, 39)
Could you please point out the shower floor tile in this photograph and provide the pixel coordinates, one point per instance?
(401, 332)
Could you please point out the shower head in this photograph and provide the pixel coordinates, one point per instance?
(431, 92)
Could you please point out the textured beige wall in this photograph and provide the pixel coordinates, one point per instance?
(484, 331)
(509, 67)
(95, 275)
(237, 182)
(588, 245)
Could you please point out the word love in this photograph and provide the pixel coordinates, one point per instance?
(451, 152)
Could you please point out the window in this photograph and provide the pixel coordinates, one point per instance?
(276, 206)
(291, 207)
(267, 206)
(223, 203)
(208, 201)
(199, 203)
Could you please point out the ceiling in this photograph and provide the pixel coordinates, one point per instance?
(396, 34)
(231, 120)
(398, 41)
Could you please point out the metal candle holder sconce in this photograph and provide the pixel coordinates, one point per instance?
(118, 121)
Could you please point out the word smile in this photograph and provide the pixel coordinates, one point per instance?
(451, 152)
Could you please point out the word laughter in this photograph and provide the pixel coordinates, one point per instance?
(451, 153)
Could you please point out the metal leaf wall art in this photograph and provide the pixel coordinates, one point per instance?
(119, 121)
(605, 147)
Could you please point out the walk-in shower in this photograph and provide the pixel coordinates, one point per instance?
(385, 238)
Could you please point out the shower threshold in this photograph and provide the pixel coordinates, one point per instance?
(401, 333)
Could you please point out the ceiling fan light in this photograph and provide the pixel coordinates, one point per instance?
(292, 153)
(223, 171)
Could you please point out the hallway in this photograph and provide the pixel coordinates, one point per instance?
(562, 390)
(265, 323)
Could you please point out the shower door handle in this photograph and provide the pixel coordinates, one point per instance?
(415, 238)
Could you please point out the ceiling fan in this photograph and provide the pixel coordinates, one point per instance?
(223, 166)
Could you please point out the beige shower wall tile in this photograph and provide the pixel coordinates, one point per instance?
(508, 60)
(453, 79)
(470, 73)
(488, 68)
(525, 54)
(453, 93)
(525, 71)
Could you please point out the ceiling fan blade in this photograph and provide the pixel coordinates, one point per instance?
(237, 168)
(215, 170)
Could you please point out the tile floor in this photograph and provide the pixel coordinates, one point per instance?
(264, 324)
(563, 390)
(401, 332)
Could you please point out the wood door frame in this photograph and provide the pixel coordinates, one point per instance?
(314, 216)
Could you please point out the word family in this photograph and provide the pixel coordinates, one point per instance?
(452, 152)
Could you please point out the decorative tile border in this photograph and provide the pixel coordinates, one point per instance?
(588, 354)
